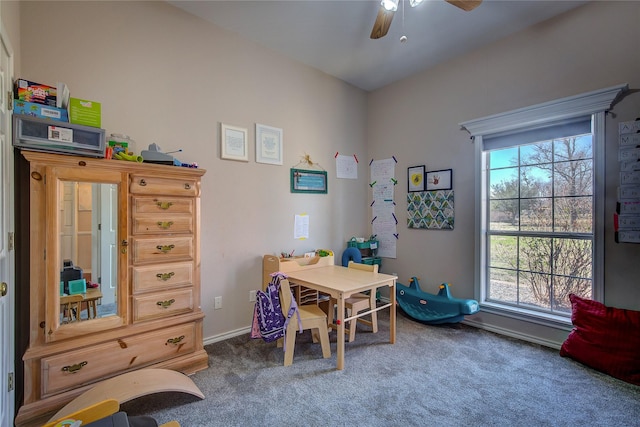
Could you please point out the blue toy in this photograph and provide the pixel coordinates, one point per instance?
(430, 308)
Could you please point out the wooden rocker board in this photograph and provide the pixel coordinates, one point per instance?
(129, 386)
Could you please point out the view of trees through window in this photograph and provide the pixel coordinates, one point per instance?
(540, 231)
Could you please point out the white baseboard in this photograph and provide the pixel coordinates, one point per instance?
(226, 335)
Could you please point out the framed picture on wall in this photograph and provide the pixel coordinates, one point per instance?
(268, 145)
(415, 178)
(308, 181)
(439, 180)
(233, 143)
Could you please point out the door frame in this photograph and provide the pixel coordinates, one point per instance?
(7, 234)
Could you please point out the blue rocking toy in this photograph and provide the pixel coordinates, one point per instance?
(433, 309)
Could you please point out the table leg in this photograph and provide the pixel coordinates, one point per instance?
(392, 313)
(340, 337)
(374, 314)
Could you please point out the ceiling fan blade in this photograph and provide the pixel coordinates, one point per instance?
(382, 24)
(466, 5)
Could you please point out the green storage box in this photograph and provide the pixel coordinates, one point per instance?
(364, 245)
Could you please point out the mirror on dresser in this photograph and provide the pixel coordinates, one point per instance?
(83, 251)
(88, 247)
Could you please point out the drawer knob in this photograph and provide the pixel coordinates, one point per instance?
(165, 248)
(166, 303)
(143, 183)
(165, 276)
(74, 368)
(187, 186)
(164, 205)
(165, 224)
(174, 341)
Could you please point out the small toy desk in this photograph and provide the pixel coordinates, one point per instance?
(90, 298)
(311, 278)
(342, 282)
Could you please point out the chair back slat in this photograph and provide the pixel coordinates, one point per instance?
(366, 267)
(285, 296)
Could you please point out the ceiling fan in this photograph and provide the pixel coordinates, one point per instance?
(389, 7)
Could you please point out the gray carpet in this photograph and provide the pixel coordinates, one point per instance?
(450, 375)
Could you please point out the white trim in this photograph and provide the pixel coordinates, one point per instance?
(7, 43)
(539, 318)
(599, 149)
(565, 108)
(226, 335)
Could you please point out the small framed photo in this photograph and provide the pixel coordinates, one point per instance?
(439, 180)
(415, 178)
(308, 181)
(268, 145)
(233, 143)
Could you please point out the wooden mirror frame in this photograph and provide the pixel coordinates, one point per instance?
(54, 330)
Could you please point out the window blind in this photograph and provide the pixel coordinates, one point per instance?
(557, 130)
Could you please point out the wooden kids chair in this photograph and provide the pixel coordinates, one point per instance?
(312, 317)
(355, 304)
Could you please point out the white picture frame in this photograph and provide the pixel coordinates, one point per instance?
(269, 145)
(439, 180)
(233, 143)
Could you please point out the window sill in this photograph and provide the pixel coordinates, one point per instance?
(538, 318)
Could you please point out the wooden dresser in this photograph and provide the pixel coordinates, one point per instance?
(135, 230)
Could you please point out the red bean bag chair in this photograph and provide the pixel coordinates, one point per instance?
(604, 338)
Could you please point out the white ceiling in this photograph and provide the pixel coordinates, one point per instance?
(333, 36)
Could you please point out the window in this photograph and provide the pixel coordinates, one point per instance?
(540, 209)
(539, 227)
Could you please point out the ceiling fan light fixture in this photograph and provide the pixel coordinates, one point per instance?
(390, 5)
(414, 3)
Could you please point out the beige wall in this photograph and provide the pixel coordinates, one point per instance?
(167, 77)
(164, 76)
(592, 47)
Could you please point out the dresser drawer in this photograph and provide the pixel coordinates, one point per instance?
(141, 184)
(159, 277)
(162, 304)
(171, 205)
(162, 249)
(80, 367)
(162, 224)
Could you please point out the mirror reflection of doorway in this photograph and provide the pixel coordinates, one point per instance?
(107, 242)
(88, 236)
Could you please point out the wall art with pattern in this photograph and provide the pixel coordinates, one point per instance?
(430, 209)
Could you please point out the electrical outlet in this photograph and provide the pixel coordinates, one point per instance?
(217, 303)
(252, 296)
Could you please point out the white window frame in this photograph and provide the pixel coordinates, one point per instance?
(595, 104)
